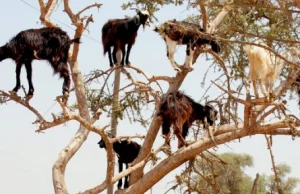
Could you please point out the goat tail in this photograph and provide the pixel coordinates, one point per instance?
(75, 40)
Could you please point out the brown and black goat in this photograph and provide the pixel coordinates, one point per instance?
(180, 111)
(127, 151)
(184, 33)
(48, 43)
(118, 33)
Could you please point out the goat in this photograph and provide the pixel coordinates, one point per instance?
(47, 43)
(119, 32)
(180, 111)
(184, 33)
(126, 151)
(265, 67)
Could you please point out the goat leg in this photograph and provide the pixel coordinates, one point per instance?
(189, 57)
(177, 132)
(115, 61)
(18, 81)
(111, 64)
(126, 184)
(120, 170)
(171, 46)
(127, 54)
(166, 131)
(28, 67)
(263, 89)
(255, 88)
(123, 56)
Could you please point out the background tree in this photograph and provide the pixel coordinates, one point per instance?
(226, 173)
(234, 23)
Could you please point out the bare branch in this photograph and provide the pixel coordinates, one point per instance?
(71, 15)
(46, 12)
(98, 5)
(24, 103)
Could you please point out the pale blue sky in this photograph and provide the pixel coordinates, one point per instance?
(27, 157)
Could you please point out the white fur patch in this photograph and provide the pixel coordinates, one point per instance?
(145, 12)
(171, 50)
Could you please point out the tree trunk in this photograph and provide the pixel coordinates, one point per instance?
(255, 185)
(114, 117)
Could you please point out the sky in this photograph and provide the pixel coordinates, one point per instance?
(26, 157)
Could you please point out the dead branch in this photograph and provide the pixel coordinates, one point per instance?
(98, 5)
(23, 103)
(277, 181)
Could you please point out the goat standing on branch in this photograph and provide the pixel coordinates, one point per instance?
(127, 151)
(265, 67)
(119, 32)
(48, 43)
(183, 33)
(181, 111)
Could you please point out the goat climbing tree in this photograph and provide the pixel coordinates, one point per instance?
(234, 23)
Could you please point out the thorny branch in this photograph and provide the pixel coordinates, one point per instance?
(277, 181)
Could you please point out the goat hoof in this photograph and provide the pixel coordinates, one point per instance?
(126, 185)
(28, 97)
(13, 92)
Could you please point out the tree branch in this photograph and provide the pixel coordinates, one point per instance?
(203, 11)
(98, 5)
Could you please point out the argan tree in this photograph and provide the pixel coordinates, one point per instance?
(233, 23)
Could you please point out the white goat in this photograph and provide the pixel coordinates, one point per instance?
(265, 68)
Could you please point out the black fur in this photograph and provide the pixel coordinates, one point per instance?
(119, 32)
(48, 43)
(180, 111)
(126, 152)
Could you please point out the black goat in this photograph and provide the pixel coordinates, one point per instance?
(181, 111)
(119, 32)
(184, 33)
(48, 43)
(126, 152)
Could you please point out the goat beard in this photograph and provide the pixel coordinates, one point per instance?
(144, 26)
